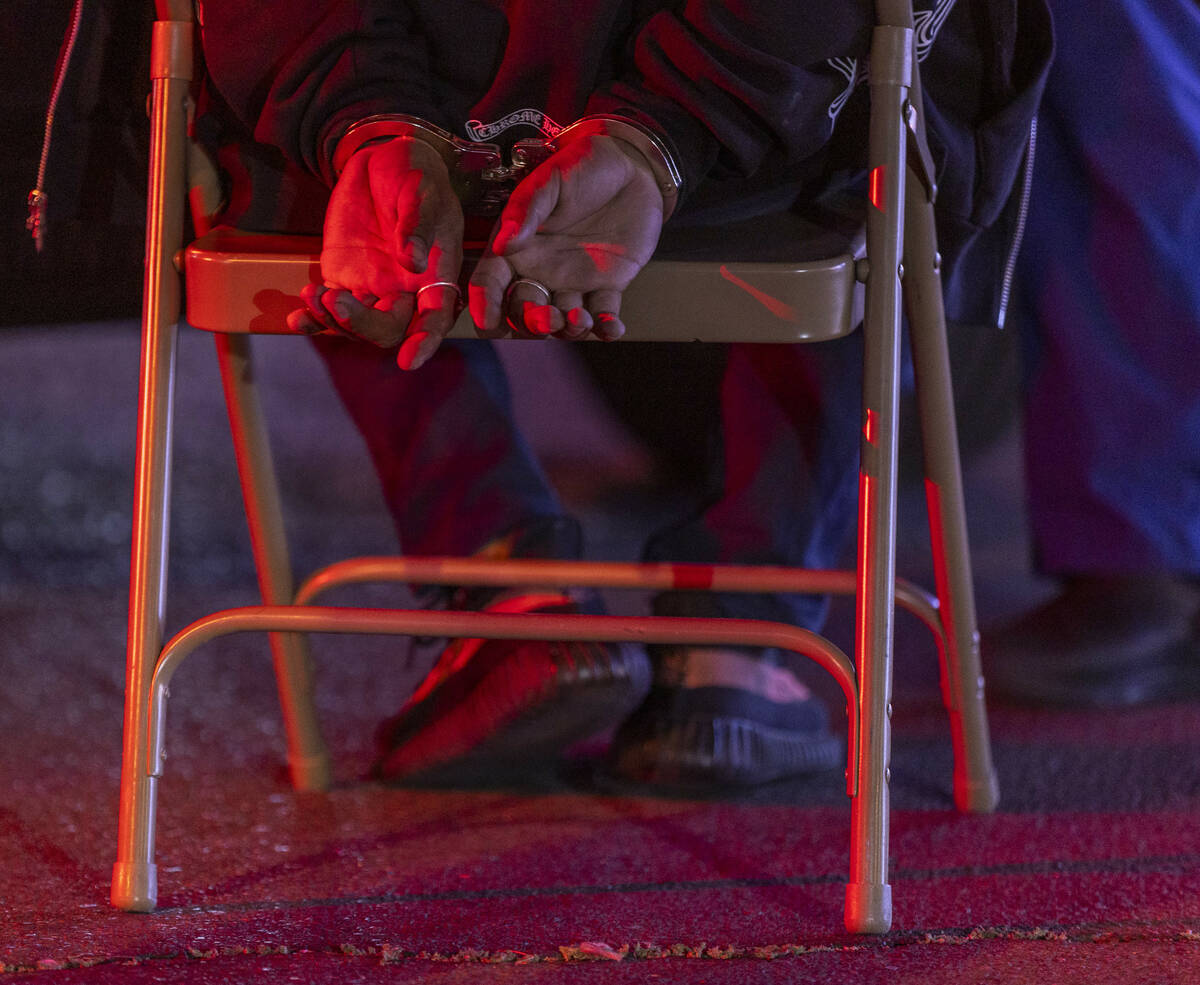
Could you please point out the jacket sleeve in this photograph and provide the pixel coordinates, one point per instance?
(298, 74)
(730, 82)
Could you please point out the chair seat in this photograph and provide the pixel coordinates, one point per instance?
(248, 283)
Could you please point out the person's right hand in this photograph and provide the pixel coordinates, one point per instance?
(581, 225)
(393, 227)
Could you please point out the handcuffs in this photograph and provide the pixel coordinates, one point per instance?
(478, 173)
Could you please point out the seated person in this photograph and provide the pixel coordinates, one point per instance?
(690, 114)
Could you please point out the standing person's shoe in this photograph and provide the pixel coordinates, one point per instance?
(490, 707)
(719, 717)
(1102, 642)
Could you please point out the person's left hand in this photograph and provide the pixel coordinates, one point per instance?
(582, 224)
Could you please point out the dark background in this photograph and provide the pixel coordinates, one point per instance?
(77, 278)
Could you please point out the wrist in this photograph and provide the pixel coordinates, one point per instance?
(374, 130)
(647, 144)
(478, 176)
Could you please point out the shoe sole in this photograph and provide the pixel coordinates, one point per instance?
(716, 752)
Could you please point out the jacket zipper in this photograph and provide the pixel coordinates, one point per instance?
(1010, 266)
(35, 221)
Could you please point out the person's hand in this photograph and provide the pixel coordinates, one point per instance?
(582, 224)
(392, 246)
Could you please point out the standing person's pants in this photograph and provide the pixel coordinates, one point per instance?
(1110, 293)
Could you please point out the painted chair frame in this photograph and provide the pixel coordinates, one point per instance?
(810, 301)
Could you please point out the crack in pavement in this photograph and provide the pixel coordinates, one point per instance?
(1160, 932)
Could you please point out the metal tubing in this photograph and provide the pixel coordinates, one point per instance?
(644, 629)
(868, 895)
(537, 626)
(134, 875)
(975, 785)
(308, 756)
(174, 10)
(656, 576)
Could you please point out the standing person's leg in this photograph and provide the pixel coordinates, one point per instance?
(1111, 294)
(784, 492)
(459, 479)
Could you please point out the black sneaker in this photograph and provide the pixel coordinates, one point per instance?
(1102, 642)
(723, 717)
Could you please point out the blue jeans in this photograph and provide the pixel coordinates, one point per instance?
(1110, 293)
(456, 473)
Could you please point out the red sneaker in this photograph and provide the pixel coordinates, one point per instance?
(488, 706)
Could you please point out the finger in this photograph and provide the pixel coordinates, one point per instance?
(531, 203)
(437, 309)
(384, 324)
(485, 295)
(576, 322)
(414, 223)
(311, 294)
(338, 306)
(579, 323)
(429, 220)
(527, 309)
(605, 309)
(543, 320)
(302, 322)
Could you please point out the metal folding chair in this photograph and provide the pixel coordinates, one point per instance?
(239, 283)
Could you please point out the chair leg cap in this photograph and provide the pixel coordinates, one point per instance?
(977, 796)
(135, 886)
(311, 773)
(868, 908)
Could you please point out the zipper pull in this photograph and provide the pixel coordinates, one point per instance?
(34, 221)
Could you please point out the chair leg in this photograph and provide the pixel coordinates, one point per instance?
(975, 784)
(135, 880)
(868, 894)
(308, 757)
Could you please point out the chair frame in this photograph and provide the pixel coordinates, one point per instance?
(901, 266)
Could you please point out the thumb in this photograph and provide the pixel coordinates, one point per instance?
(436, 313)
(489, 281)
(416, 218)
(429, 220)
(532, 202)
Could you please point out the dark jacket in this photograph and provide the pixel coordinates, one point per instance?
(761, 101)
